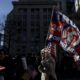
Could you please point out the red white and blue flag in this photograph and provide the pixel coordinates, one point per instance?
(55, 28)
(70, 37)
(64, 32)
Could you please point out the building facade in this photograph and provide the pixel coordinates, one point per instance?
(27, 26)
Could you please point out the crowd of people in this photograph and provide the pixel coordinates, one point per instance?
(20, 67)
(26, 67)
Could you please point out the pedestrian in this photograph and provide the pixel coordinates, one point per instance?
(21, 66)
(48, 65)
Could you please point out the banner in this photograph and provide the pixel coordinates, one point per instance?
(64, 32)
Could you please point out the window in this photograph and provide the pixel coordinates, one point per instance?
(24, 23)
(18, 49)
(49, 10)
(23, 48)
(19, 23)
(44, 10)
(45, 23)
(38, 36)
(19, 30)
(24, 37)
(32, 23)
(32, 30)
(32, 16)
(24, 17)
(46, 31)
(23, 10)
(60, 3)
(49, 16)
(70, 6)
(32, 10)
(38, 16)
(37, 23)
(37, 29)
(45, 37)
(45, 17)
(37, 10)
(24, 29)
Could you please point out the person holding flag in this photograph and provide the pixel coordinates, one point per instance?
(63, 33)
(53, 38)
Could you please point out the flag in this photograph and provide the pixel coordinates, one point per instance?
(55, 28)
(64, 32)
(54, 32)
(70, 36)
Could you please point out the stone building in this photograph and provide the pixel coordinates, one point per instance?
(27, 26)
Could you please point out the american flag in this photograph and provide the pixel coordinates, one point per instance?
(63, 32)
(70, 38)
(54, 32)
(55, 28)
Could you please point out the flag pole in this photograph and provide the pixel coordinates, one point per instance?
(54, 7)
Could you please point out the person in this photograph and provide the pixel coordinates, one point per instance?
(48, 65)
(21, 66)
(7, 63)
